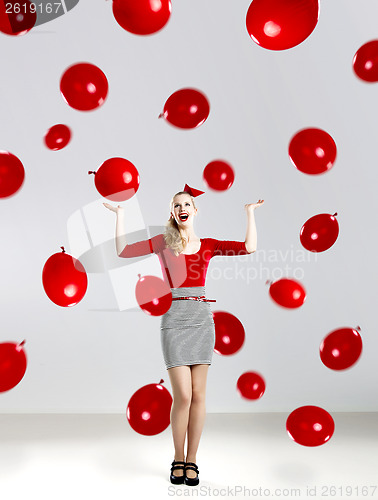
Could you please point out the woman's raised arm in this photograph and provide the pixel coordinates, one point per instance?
(120, 236)
(251, 235)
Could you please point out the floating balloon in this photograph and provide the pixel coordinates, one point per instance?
(365, 62)
(153, 295)
(117, 179)
(12, 174)
(64, 279)
(149, 408)
(310, 426)
(84, 86)
(218, 175)
(17, 17)
(251, 385)
(12, 365)
(341, 348)
(319, 232)
(229, 333)
(186, 108)
(143, 17)
(57, 137)
(287, 292)
(278, 25)
(312, 151)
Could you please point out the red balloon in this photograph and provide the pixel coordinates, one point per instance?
(287, 293)
(341, 348)
(57, 137)
(229, 333)
(64, 279)
(251, 385)
(218, 175)
(365, 62)
(84, 86)
(149, 408)
(319, 232)
(312, 151)
(117, 179)
(186, 108)
(12, 174)
(17, 17)
(12, 365)
(153, 295)
(278, 25)
(310, 426)
(143, 17)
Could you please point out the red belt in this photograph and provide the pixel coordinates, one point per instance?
(200, 299)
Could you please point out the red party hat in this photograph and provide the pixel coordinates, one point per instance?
(193, 192)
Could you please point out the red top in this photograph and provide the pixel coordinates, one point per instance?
(184, 270)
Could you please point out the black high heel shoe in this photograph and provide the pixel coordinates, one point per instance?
(177, 479)
(191, 481)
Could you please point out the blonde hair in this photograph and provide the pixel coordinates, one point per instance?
(172, 235)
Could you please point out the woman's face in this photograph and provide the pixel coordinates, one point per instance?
(183, 210)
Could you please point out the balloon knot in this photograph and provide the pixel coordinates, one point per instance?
(139, 276)
(63, 249)
(358, 328)
(268, 282)
(91, 172)
(334, 215)
(161, 381)
(161, 115)
(19, 346)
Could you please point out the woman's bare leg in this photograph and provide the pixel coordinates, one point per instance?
(180, 377)
(197, 413)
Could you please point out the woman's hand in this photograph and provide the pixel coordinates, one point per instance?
(251, 206)
(117, 209)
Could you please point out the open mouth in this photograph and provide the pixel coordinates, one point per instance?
(183, 217)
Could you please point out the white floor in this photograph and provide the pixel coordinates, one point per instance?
(240, 456)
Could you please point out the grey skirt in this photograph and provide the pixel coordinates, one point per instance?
(187, 330)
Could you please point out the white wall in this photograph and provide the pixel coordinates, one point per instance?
(93, 357)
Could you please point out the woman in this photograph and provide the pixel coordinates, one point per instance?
(187, 329)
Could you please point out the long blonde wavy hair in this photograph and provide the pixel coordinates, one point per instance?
(172, 235)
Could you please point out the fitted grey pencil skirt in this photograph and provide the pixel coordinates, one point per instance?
(187, 330)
